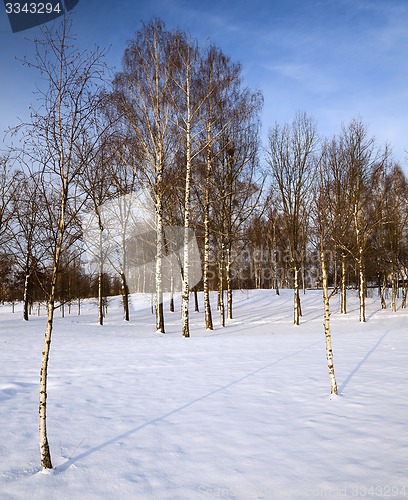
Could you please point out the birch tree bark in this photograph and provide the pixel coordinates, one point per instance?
(343, 307)
(206, 257)
(324, 230)
(327, 332)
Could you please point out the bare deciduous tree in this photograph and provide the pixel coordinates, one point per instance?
(142, 97)
(53, 138)
(290, 157)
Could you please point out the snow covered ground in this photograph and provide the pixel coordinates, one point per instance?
(241, 412)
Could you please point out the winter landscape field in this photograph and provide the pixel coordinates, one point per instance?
(241, 412)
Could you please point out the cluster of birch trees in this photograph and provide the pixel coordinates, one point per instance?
(178, 124)
(176, 135)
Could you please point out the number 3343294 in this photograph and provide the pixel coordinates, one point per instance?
(33, 8)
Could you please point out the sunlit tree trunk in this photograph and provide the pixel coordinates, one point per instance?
(343, 308)
(362, 287)
(206, 257)
(296, 298)
(229, 282)
(383, 292)
(221, 305)
(159, 267)
(404, 294)
(326, 301)
(394, 290)
(26, 286)
(46, 462)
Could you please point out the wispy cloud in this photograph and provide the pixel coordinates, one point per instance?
(309, 76)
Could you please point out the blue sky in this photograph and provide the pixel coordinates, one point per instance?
(336, 60)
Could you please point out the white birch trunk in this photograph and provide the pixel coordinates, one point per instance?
(404, 297)
(229, 284)
(361, 270)
(221, 290)
(394, 292)
(159, 262)
(206, 256)
(46, 462)
(185, 294)
(362, 285)
(326, 302)
(185, 289)
(343, 307)
(44, 446)
(383, 291)
(296, 297)
(25, 299)
(275, 262)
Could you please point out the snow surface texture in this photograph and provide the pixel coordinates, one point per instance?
(242, 412)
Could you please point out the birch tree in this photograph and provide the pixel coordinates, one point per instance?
(142, 97)
(185, 63)
(364, 162)
(232, 168)
(217, 74)
(321, 214)
(390, 235)
(96, 182)
(28, 244)
(68, 99)
(290, 157)
(338, 208)
(219, 78)
(125, 183)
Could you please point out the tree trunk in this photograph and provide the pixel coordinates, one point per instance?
(100, 298)
(221, 291)
(186, 261)
(404, 294)
(394, 291)
(100, 275)
(296, 298)
(44, 446)
(171, 305)
(383, 291)
(196, 308)
(159, 261)
(275, 261)
(362, 287)
(206, 257)
(125, 296)
(229, 283)
(343, 307)
(124, 282)
(326, 302)
(26, 297)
